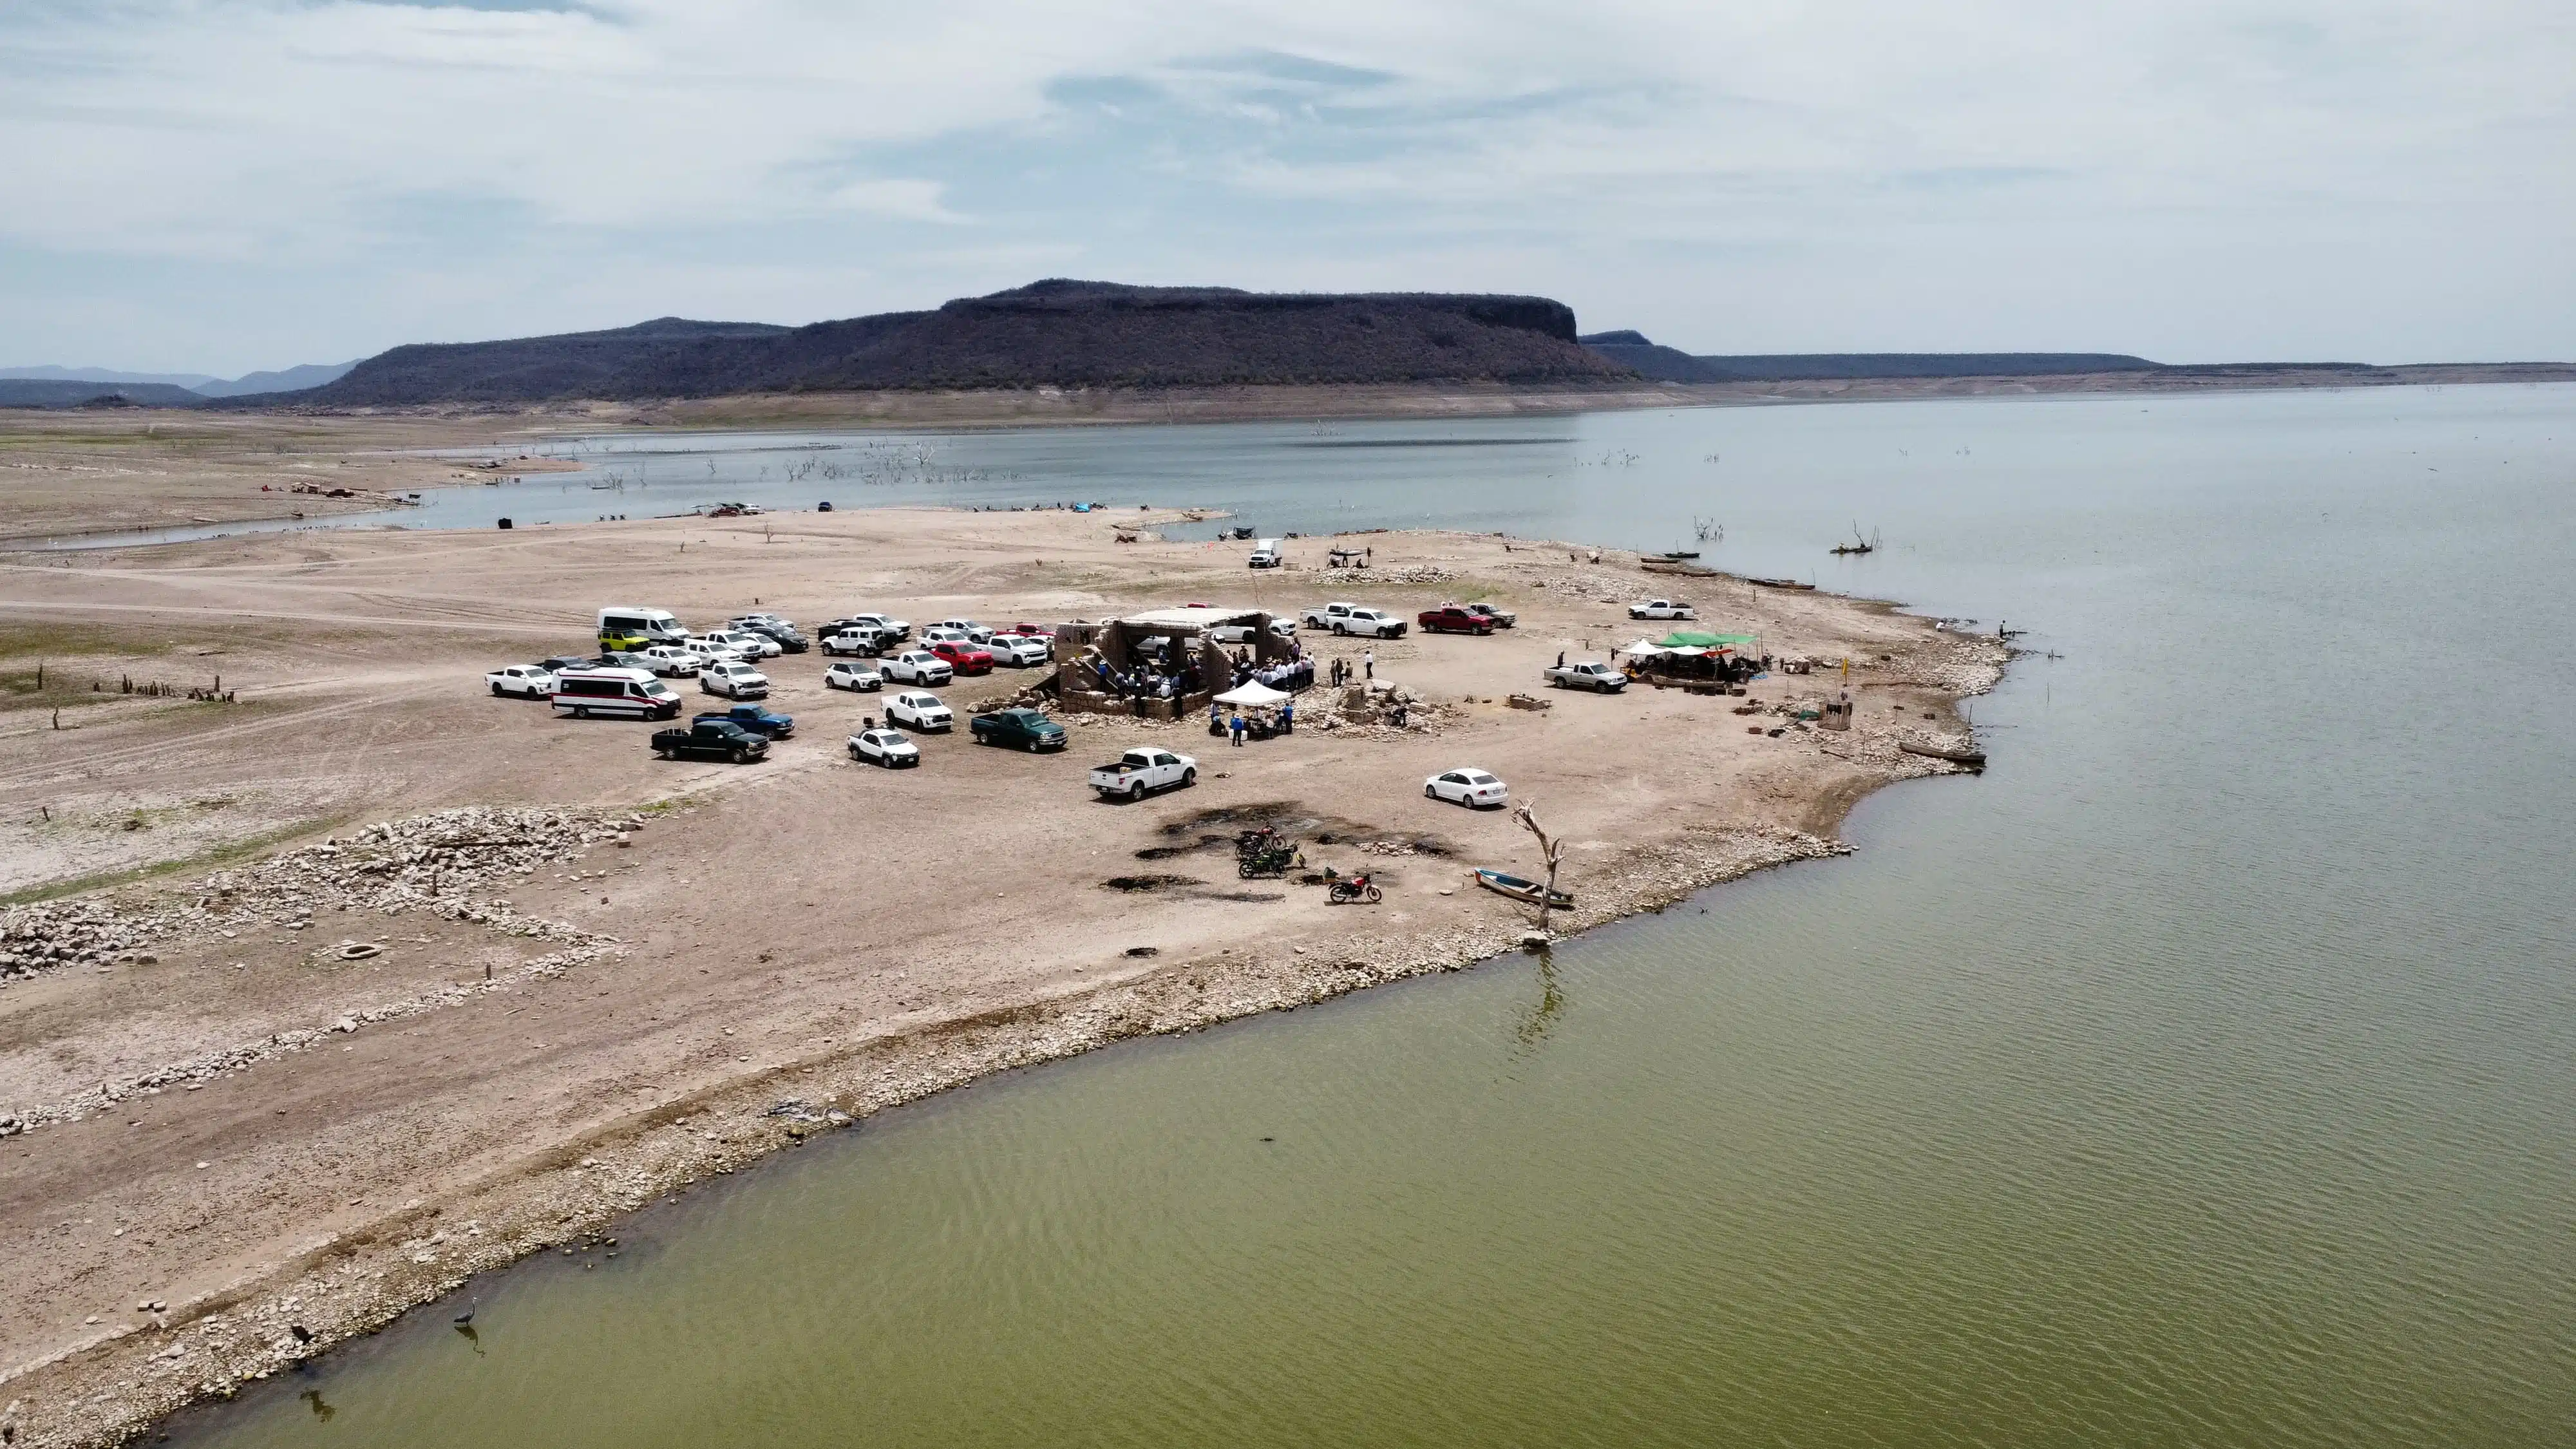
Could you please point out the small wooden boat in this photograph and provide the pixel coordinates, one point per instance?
(1680, 553)
(1972, 759)
(1780, 584)
(1654, 565)
(1843, 548)
(1522, 890)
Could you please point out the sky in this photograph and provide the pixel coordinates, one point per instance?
(221, 185)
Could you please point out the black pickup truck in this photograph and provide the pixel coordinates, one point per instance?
(712, 739)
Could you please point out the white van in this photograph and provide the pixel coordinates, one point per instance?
(622, 693)
(1266, 554)
(632, 626)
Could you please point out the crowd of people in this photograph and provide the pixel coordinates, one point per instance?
(1290, 675)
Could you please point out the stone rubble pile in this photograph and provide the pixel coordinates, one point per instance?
(427, 862)
(1419, 574)
(54, 934)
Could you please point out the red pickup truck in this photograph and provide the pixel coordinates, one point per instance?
(1453, 620)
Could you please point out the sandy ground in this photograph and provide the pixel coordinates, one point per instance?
(238, 1133)
(66, 472)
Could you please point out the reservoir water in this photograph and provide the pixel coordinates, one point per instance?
(2203, 1074)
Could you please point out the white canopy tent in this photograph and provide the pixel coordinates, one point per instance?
(1253, 694)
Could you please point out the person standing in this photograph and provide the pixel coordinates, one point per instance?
(1288, 718)
(1237, 723)
(1560, 659)
(1368, 663)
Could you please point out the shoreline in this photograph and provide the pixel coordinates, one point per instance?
(574, 1170)
(426, 439)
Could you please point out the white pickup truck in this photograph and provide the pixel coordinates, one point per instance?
(1140, 772)
(1587, 674)
(1352, 619)
(1661, 609)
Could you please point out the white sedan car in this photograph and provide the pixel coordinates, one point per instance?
(734, 680)
(916, 666)
(917, 711)
(857, 678)
(527, 681)
(1468, 787)
(884, 747)
(1661, 609)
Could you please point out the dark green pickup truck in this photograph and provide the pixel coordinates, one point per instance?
(1023, 728)
(711, 739)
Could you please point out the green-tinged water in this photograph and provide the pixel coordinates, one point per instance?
(2204, 1074)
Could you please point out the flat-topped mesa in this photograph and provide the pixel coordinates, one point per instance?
(1054, 333)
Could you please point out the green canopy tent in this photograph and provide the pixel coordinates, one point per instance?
(1693, 639)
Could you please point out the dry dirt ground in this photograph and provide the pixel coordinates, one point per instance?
(230, 1130)
(65, 472)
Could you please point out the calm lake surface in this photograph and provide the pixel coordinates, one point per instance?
(2204, 1074)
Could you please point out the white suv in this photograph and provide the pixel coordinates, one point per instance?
(734, 680)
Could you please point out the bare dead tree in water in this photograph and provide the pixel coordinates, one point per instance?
(1551, 849)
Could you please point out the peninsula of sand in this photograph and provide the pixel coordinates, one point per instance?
(330, 978)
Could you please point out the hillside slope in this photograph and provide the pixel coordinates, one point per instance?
(1053, 333)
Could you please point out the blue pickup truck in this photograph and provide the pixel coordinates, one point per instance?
(753, 718)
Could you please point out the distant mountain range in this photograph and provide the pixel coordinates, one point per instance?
(1668, 364)
(1075, 334)
(54, 387)
(1055, 333)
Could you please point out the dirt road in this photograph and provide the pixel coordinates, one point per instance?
(246, 1116)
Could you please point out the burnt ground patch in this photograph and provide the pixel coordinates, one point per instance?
(1139, 884)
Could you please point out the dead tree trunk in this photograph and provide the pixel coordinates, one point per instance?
(1553, 851)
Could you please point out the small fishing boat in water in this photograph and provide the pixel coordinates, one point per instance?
(1781, 584)
(1522, 890)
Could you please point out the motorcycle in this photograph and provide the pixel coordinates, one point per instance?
(1357, 888)
(1271, 860)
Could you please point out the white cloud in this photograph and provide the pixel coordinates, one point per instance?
(1741, 174)
(897, 197)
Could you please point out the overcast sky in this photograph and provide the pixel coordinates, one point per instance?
(233, 184)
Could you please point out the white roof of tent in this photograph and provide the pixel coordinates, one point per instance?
(1189, 616)
(1252, 693)
(1643, 646)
